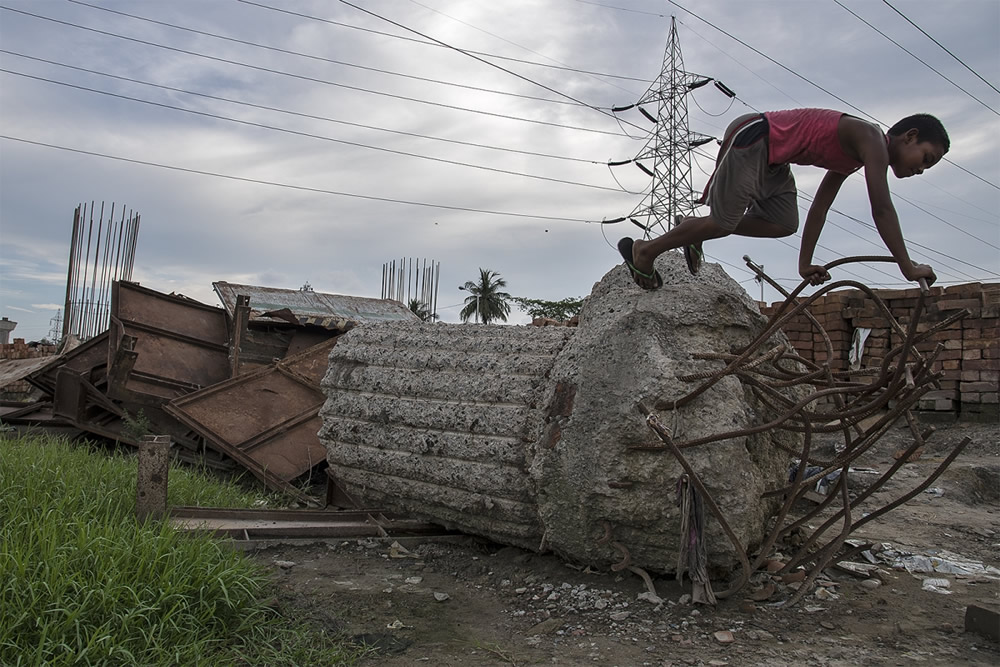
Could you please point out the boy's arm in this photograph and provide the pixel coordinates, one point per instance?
(876, 160)
(815, 220)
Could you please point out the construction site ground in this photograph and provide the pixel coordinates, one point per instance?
(465, 601)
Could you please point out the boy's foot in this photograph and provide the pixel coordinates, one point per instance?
(693, 256)
(646, 280)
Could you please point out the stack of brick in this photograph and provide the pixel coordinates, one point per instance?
(969, 359)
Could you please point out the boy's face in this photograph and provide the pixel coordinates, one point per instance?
(914, 156)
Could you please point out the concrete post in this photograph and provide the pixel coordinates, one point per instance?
(151, 485)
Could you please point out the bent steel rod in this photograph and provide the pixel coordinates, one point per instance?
(903, 375)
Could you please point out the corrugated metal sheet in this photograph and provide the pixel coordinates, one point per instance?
(314, 308)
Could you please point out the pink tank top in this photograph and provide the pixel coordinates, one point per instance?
(808, 137)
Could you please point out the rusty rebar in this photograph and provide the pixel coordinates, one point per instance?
(903, 375)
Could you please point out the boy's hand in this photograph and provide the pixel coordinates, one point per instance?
(816, 275)
(921, 271)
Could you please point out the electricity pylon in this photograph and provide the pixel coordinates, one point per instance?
(670, 144)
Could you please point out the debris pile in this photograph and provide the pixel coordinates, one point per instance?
(231, 386)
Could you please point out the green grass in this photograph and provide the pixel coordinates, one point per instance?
(82, 582)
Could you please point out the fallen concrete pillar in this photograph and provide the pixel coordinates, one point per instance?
(530, 436)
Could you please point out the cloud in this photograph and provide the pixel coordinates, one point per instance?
(197, 228)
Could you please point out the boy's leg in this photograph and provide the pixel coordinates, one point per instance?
(691, 231)
(730, 191)
(758, 227)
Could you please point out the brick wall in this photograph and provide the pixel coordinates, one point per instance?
(969, 361)
(21, 350)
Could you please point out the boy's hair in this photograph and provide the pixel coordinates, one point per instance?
(927, 126)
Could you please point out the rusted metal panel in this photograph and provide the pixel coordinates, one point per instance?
(15, 370)
(163, 346)
(332, 311)
(91, 358)
(265, 419)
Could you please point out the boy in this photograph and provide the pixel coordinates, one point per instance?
(752, 192)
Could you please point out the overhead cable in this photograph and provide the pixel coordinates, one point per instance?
(291, 186)
(915, 56)
(941, 45)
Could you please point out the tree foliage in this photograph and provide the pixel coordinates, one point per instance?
(561, 310)
(422, 310)
(486, 300)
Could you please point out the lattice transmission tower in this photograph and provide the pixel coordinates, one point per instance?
(670, 144)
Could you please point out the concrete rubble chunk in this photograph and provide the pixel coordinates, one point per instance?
(531, 437)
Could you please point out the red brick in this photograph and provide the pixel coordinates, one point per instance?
(980, 364)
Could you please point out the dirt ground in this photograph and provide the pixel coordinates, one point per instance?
(466, 601)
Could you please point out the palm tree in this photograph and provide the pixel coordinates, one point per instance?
(422, 310)
(485, 300)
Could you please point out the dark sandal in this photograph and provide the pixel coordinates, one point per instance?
(625, 249)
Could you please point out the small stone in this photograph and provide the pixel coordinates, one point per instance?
(521, 591)
(685, 599)
(285, 564)
(414, 580)
(441, 597)
(620, 615)
(724, 637)
(600, 604)
(825, 594)
(871, 584)
(828, 625)
(547, 626)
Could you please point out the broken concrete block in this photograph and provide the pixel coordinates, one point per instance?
(531, 436)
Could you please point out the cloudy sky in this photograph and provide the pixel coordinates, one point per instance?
(277, 143)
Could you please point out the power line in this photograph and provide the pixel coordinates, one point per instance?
(941, 45)
(477, 58)
(816, 85)
(291, 186)
(307, 134)
(496, 36)
(320, 58)
(303, 77)
(300, 114)
(915, 57)
(428, 43)
(772, 60)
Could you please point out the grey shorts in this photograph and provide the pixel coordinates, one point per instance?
(744, 183)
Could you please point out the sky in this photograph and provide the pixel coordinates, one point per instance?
(280, 143)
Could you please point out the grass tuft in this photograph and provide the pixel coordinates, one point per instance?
(82, 582)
